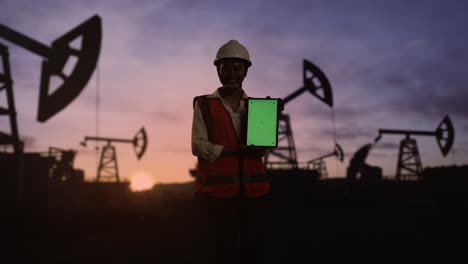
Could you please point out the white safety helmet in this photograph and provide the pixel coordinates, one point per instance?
(232, 49)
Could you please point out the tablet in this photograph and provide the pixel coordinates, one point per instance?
(262, 122)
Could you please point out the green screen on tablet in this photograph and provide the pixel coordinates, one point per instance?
(262, 122)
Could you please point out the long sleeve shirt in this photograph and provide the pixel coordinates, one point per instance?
(203, 148)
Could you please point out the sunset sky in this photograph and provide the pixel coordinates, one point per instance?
(392, 64)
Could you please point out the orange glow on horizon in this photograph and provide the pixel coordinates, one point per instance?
(141, 181)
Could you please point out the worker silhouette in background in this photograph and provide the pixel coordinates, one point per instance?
(230, 176)
(358, 166)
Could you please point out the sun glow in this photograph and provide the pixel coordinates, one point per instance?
(140, 181)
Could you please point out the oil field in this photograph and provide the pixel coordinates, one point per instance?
(54, 213)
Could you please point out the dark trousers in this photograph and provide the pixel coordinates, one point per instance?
(240, 227)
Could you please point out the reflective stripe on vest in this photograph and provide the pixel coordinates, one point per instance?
(221, 178)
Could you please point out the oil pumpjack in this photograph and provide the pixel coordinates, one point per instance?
(27, 172)
(318, 164)
(108, 169)
(409, 167)
(284, 157)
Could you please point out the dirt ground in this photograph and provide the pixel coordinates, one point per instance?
(308, 221)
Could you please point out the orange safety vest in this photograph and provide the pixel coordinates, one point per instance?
(225, 176)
